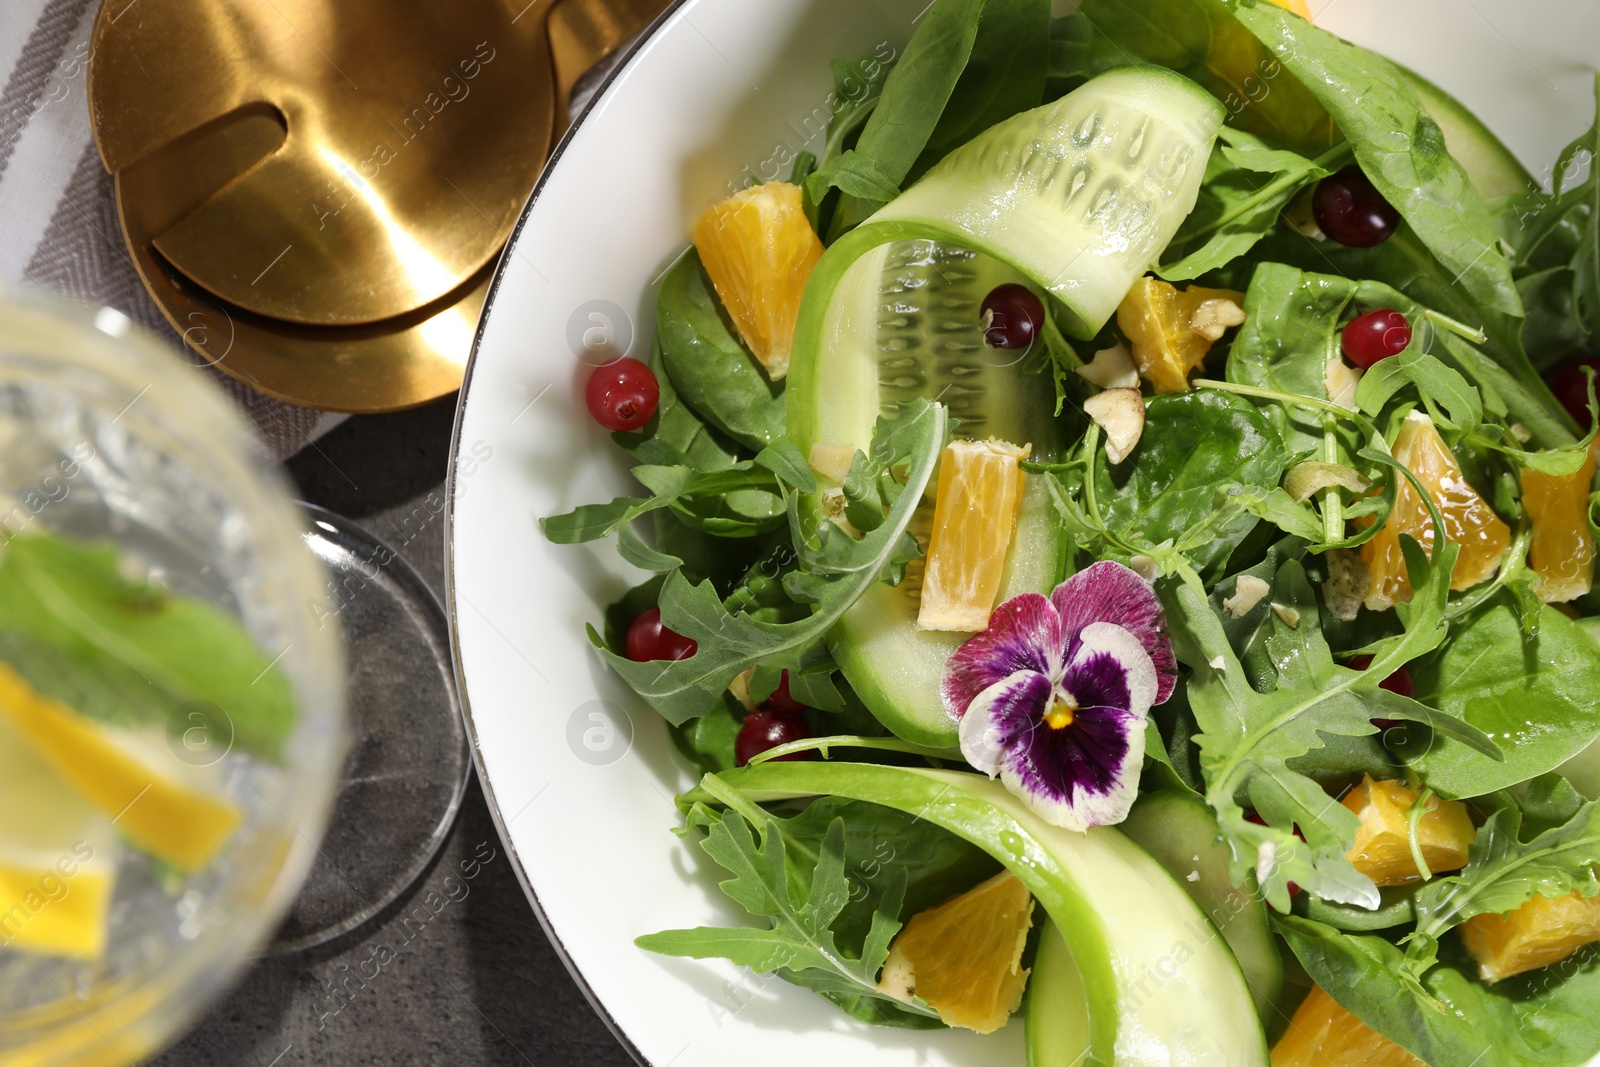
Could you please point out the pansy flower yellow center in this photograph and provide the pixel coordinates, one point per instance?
(1061, 711)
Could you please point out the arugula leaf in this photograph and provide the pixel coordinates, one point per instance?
(800, 943)
(839, 569)
(1537, 696)
(1399, 146)
(709, 368)
(1504, 873)
(707, 742)
(130, 652)
(1247, 737)
(741, 501)
(1543, 1018)
(1198, 448)
(1437, 385)
(1236, 207)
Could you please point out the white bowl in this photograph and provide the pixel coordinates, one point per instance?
(581, 773)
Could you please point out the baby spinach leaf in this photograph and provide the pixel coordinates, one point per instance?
(1398, 145)
(708, 741)
(675, 435)
(1197, 446)
(1503, 873)
(857, 85)
(130, 652)
(909, 106)
(1202, 40)
(1544, 1018)
(840, 568)
(1536, 697)
(709, 368)
(1247, 736)
(800, 943)
(1004, 74)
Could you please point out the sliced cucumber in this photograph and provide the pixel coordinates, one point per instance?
(1490, 165)
(907, 323)
(1058, 1010)
(1179, 830)
(1160, 987)
(1079, 197)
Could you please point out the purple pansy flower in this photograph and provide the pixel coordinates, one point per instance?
(1053, 696)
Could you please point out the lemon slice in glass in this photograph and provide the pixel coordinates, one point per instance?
(164, 806)
(57, 859)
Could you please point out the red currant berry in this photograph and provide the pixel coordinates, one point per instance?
(622, 394)
(1571, 387)
(1351, 211)
(763, 730)
(1399, 682)
(781, 701)
(648, 639)
(1012, 316)
(1375, 336)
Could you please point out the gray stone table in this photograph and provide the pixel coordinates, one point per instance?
(477, 982)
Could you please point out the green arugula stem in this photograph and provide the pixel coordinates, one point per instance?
(1327, 161)
(1413, 817)
(1332, 502)
(1311, 402)
(1460, 329)
(880, 744)
(1515, 562)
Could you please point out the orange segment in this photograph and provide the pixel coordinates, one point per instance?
(974, 518)
(1298, 7)
(964, 957)
(1170, 332)
(1562, 550)
(1382, 850)
(1323, 1034)
(1543, 931)
(759, 249)
(1468, 519)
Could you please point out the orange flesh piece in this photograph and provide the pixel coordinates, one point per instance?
(1298, 7)
(965, 955)
(1562, 550)
(758, 249)
(974, 519)
(1543, 931)
(1468, 520)
(1324, 1034)
(1382, 850)
(1157, 319)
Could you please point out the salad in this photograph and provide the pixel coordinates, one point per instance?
(1122, 550)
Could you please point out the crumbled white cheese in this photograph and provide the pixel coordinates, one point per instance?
(1521, 432)
(1192, 876)
(1248, 591)
(1120, 413)
(1111, 368)
(1290, 616)
(1218, 663)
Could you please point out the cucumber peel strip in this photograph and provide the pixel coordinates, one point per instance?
(1158, 978)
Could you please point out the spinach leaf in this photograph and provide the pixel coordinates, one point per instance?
(800, 943)
(1543, 1018)
(1202, 40)
(1247, 736)
(1004, 74)
(857, 85)
(126, 651)
(1398, 145)
(1534, 695)
(707, 742)
(675, 435)
(909, 106)
(1247, 185)
(709, 368)
(1197, 448)
(839, 570)
(1503, 873)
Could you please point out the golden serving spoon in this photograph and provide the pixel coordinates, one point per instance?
(315, 193)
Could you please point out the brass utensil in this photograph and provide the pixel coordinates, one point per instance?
(315, 193)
